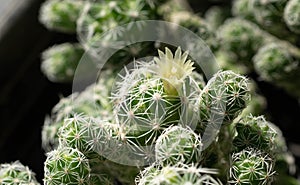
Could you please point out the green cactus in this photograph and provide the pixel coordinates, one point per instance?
(251, 166)
(292, 15)
(224, 96)
(66, 166)
(94, 138)
(148, 120)
(150, 100)
(85, 134)
(254, 132)
(16, 173)
(178, 144)
(61, 15)
(59, 62)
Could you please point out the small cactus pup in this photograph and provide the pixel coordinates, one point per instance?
(178, 174)
(153, 96)
(278, 65)
(60, 15)
(84, 133)
(251, 166)
(59, 62)
(255, 132)
(223, 98)
(66, 166)
(292, 15)
(16, 173)
(178, 144)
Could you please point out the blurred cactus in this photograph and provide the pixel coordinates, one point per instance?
(216, 15)
(240, 40)
(195, 24)
(277, 65)
(61, 15)
(16, 173)
(292, 15)
(243, 8)
(59, 62)
(267, 14)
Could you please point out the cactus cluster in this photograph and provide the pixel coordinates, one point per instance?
(163, 121)
(164, 124)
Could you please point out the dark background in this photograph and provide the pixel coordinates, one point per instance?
(26, 96)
